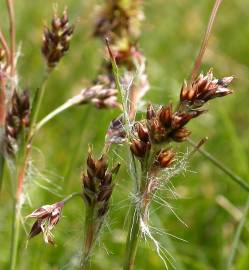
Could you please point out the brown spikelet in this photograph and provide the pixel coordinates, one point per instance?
(56, 40)
(17, 119)
(97, 183)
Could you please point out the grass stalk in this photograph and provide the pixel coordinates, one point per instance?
(14, 235)
(234, 177)
(68, 104)
(237, 236)
(11, 12)
(89, 239)
(2, 161)
(22, 165)
(132, 240)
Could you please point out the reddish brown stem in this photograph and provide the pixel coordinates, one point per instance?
(204, 43)
(5, 47)
(10, 5)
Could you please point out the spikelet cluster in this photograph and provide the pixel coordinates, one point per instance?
(17, 121)
(56, 40)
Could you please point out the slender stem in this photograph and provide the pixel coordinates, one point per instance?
(36, 104)
(68, 104)
(205, 40)
(5, 47)
(72, 196)
(89, 238)
(237, 236)
(10, 5)
(1, 169)
(237, 179)
(15, 235)
(132, 240)
(22, 165)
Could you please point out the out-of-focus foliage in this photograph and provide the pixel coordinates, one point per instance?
(210, 204)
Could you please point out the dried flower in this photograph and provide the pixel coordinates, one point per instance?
(47, 217)
(56, 41)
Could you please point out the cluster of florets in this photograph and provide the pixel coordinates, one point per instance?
(164, 125)
(98, 183)
(56, 41)
(17, 120)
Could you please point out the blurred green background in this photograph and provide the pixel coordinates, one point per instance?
(210, 203)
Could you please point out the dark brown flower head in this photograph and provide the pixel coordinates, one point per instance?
(139, 148)
(46, 217)
(141, 144)
(165, 158)
(205, 88)
(165, 116)
(97, 183)
(56, 41)
(17, 119)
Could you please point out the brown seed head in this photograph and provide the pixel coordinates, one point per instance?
(97, 182)
(139, 148)
(205, 88)
(17, 119)
(56, 41)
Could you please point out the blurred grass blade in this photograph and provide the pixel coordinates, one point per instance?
(237, 179)
(237, 236)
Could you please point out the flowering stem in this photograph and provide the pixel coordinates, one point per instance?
(15, 235)
(89, 239)
(10, 5)
(205, 40)
(71, 196)
(132, 240)
(1, 169)
(68, 104)
(22, 165)
(36, 104)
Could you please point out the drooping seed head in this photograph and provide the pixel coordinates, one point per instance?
(46, 217)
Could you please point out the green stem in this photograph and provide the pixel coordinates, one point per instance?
(22, 163)
(36, 105)
(237, 236)
(68, 104)
(14, 235)
(71, 196)
(89, 239)
(132, 240)
(237, 179)
(2, 161)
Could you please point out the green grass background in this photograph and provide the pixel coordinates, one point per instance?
(171, 36)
